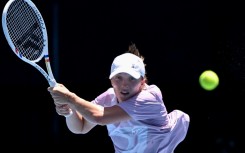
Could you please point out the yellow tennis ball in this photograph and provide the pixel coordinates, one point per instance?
(209, 80)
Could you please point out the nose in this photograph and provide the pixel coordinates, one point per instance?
(125, 83)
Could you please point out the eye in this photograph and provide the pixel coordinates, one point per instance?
(132, 79)
(118, 77)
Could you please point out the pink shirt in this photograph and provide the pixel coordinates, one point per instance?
(152, 129)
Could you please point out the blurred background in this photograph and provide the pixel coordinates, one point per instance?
(179, 40)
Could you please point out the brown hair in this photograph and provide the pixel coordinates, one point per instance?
(134, 50)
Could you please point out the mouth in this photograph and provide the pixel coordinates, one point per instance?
(125, 93)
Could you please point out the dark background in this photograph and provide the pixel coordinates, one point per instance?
(179, 40)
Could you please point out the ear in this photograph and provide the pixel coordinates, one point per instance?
(143, 81)
(111, 83)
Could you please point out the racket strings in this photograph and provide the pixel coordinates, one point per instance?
(25, 30)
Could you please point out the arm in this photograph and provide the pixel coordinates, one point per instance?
(75, 122)
(87, 114)
(96, 113)
(78, 125)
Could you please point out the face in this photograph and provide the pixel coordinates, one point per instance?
(126, 86)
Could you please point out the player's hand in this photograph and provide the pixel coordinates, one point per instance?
(63, 109)
(60, 94)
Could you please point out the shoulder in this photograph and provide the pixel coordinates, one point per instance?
(151, 93)
(108, 92)
(107, 95)
(153, 88)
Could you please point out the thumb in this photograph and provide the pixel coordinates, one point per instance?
(50, 89)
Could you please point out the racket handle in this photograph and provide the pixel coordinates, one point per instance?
(52, 83)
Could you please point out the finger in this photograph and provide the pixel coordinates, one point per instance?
(63, 112)
(62, 106)
(50, 89)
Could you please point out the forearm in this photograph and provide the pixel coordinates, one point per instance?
(91, 112)
(77, 124)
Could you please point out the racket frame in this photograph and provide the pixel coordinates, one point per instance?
(49, 76)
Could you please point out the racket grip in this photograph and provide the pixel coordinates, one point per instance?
(52, 83)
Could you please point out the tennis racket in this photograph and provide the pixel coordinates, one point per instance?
(26, 34)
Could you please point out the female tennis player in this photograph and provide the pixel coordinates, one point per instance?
(132, 110)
